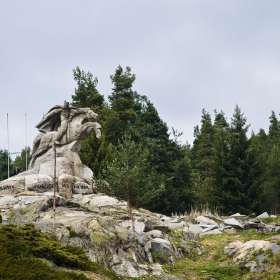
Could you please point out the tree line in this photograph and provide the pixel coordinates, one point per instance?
(138, 159)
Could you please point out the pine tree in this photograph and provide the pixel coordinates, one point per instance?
(131, 177)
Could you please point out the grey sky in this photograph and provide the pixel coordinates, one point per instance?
(187, 55)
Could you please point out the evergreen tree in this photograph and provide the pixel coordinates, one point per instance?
(20, 161)
(221, 167)
(256, 160)
(239, 169)
(86, 94)
(272, 188)
(131, 177)
(203, 160)
(125, 103)
(273, 132)
(4, 165)
(95, 153)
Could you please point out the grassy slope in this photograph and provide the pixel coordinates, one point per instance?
(215, 264)
(26, 250)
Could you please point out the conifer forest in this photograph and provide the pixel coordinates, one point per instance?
(224, 170)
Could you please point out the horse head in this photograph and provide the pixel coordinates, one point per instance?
(90, 114)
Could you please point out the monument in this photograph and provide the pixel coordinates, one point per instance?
(55, 154)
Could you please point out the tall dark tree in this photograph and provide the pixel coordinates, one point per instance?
(221, 167)
(274, 129)
(237, 188)
(86, 93)
(4, 164)
(20, 161)
(256, 161)
(125, 104)
(272, 186)
(203, 160)
(95, 153)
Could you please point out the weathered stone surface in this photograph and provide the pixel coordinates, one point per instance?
(233, 222)
(252, 224)
(160, 246)
(213, 231)
(242, 251)
(174, 224)
(205, 220)
(263, 216)
(12, 185)
(139, 226)
(266, 229)
(8, 200)
(65, 185)
(254, 267)
(238, 216)
(155, 234)
(39, 183)
(195, 228)
(61, 128)
(81, 187)
(85, 172)
(104, 200)
(30, 199)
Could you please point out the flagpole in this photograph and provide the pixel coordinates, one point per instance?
(25, 143)
(8, 145)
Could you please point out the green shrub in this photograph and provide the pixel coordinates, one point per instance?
(22, 246)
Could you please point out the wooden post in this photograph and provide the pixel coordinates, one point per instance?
(54, 183)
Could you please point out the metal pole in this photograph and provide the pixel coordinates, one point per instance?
(8, 145)
(25, 143)
(54, 183)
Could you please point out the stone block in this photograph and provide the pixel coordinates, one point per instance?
(12, 185)
(82, 188)
(65, 185)
(39, 183)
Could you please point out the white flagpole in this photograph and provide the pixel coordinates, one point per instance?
(25, 143)
(8, 146)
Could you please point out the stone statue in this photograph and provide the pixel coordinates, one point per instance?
(62, 129)
(63, 125)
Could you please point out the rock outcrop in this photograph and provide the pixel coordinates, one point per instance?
(100, 225)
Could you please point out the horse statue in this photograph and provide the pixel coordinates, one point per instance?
(63, 125)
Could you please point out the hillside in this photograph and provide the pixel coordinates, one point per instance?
(92, 236)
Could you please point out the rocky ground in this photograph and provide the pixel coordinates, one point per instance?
(100, 225)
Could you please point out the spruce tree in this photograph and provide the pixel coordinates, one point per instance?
(203, 160)
(239, 169)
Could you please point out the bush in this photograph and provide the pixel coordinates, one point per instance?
(21, 246)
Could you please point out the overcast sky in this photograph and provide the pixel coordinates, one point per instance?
(187, 55)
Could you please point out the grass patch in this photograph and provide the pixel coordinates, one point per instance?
(72, 233)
